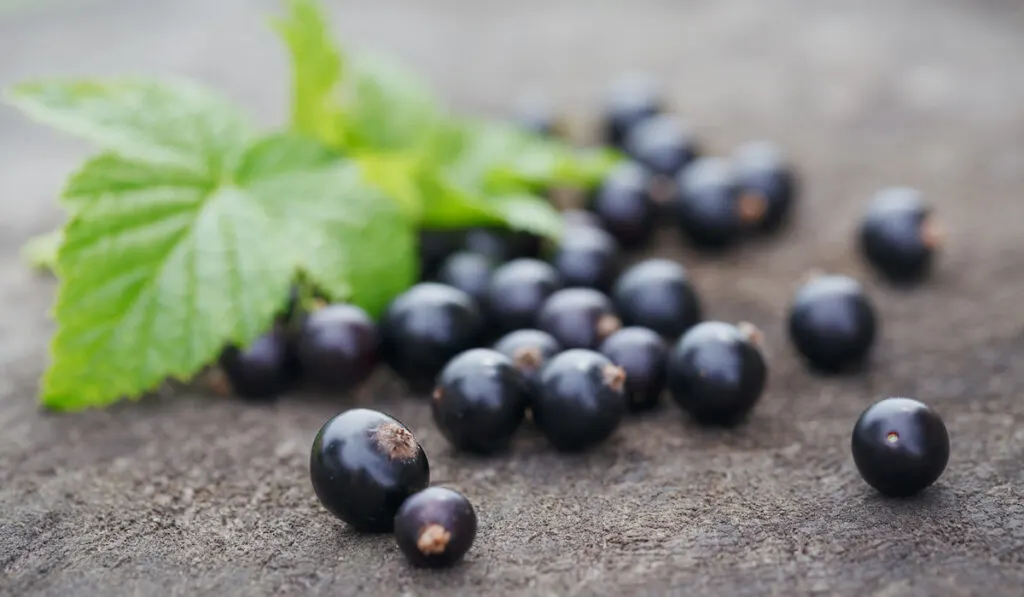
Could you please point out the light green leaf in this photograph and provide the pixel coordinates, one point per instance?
(156, 279)
(396, 175)
(170, 121)
(40, 252)
(529, 213)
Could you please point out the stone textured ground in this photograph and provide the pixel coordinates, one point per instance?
(190, 495)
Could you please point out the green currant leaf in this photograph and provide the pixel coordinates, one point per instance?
(40, 251)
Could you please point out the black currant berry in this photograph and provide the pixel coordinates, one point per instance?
(768, 185)
(578, 217)
(424, 327)
(587, 257)
(581, 401)
(624, 205)
(501, 244)
(264, 370)
(530, 350)
(435, 527)
(517, 291)
(662, 144)
(643, 355)
(900, 446)
(716, 372)
(657, 294)
(363, 465)
(435, 247)
(630, 99)
(899, 235)
(480, 401)
(832, 323)
(578, 318)
(338, 347)
(469, 272)
(712, 210)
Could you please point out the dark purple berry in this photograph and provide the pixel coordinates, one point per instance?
(643, 355)
(578, 318)
(900, 446)
(530, 350)
(624, 206)
(588, 258)
(662, 144)
(517, 291)
(435, 527)
(657, 294)
(264, 370)
(832, 323)
(338, 347)
(582, 399)
(899, 235)
(469, 272)
(363, 465)
(713, 212)
(630, 99)
(768, 185)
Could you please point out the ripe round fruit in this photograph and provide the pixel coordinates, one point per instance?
(262, 371)
(363, 465)
(657, 294)
(435, 527)
(530, 350)
(630, 99)
(424, 327)
(663, 144)
(899, 235)
(517, 291)
(643, 355)
(338, 347)
(469, 272)
(578, 318)
(900, 446)
(501, 244)
(581, 401)
(588, 258)
(712, 211)
(832, 323)
(716, 372)
(624, 205)
(767, 183)
(480, 400)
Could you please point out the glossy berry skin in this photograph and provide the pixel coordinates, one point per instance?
(832, 323)
(517, 291)
(262, 371)
(643, 355)
(663, 144)
(435, 246)
(716, 372)
(480, 401)
(500, 244)
(435, 527)
(657, 294)
(624, 206)
(708, 205)
(899, 236)
(530, 350)
(424, 327)
(588, 258)
(363, 465)
(338, 347)
(629, 100)
(578, 318)
(469, 272)
(900, 446)
(768, 184)
(581, 401)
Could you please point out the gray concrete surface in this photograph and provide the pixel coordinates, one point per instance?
(190, 495)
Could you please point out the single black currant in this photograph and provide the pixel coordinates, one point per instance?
(517, 291)
(712, 210)
(263, 370)
(643, 355)
(624, 205)
(578, 217)
(630, 99)
(435, 527)
(832, 323)
(480, 401)
(578, 318)
(899, 235)
(716, 372)
(501, 244)
(530, 350)
(424, 327)
(900, 446)
(663, 144)
(587, 257)
(469, 272)
(338, 347)
(581, 401)
(435, 246)
(363, 465)
(768, 184)
(657, 294)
